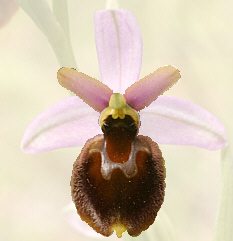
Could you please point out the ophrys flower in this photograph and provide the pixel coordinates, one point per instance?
(168, 120)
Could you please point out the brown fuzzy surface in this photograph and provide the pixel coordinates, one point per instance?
(133, 202)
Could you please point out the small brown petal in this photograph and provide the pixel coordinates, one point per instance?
(120, 203)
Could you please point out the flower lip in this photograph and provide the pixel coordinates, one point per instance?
(115, 196)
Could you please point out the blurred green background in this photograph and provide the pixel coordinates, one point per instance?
(194, 36)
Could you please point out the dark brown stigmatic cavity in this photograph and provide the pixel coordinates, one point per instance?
(118, 180)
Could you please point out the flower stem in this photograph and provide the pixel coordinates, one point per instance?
(223, 227)
(56, 29)
(60, 10)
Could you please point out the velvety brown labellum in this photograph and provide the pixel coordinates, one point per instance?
(121, 201)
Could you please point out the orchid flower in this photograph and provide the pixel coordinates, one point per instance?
(7, 9)
(166, 120)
